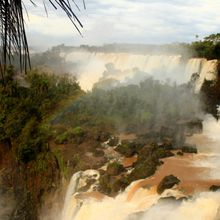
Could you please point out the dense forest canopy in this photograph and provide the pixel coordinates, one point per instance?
(24, 108)
(208, 48)
(149, 105)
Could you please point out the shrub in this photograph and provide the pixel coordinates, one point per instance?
(128, 149)
(114, 168)
(162, 153)
(62, 166)
(26, 154)
(113, 141)
(77, 131)
(62, 138)
(189, 149)
(143, 169)
(110, 185)
(31, 141)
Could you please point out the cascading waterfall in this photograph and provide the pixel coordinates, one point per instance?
(70, 203)
(208, 71)
(141, 203)
(78, 180)
(91, 67)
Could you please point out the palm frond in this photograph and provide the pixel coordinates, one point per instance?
(13, 39)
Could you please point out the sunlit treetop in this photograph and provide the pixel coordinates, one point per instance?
(215, 38)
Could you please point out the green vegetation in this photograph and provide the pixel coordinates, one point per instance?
(52, 60)
(24, 109)
(76, 133)
(62, 166)
(189, 149)
(113, 141)
(27, 105)
(133, 108)
(116, 178)
(208, 48)
(126, 148)
(210, 93)
(114, 168)
(111, 185)
(143, 169)
(148, 159)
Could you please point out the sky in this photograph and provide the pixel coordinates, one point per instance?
(123, 21)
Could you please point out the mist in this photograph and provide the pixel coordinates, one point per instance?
(154, 95)
(7, 204)
(142, 203)
(95, 66)
(118, 131)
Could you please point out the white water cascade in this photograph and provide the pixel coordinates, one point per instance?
(141, 203)
(91, 67)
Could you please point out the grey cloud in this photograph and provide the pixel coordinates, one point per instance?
(128, 21)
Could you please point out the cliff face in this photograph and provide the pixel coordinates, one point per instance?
(7, 201)
(29, 183)
(210, 92)
(29, 169)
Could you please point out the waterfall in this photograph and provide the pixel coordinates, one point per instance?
(208, 72)
(70, 202)
(78, 180)
(139, 202)
(91, 67)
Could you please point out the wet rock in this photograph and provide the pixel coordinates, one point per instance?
(214, 188)
(110, 185)
(167, 183)
(144, 169)
(89, 183)
(180, 153)
(119, 184)
(148, 150)
(102, 136)
(167, 144)
(189, 149)
(161, 153)
(161, 163)
(172, 199)
(128, 149)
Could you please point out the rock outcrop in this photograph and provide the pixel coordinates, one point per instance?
(167, 183)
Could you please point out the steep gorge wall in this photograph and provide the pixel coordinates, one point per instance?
(25, 186)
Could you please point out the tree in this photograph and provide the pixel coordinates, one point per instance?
(13, 40)
(214, 38)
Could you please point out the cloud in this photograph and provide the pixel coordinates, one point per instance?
(127, 21)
